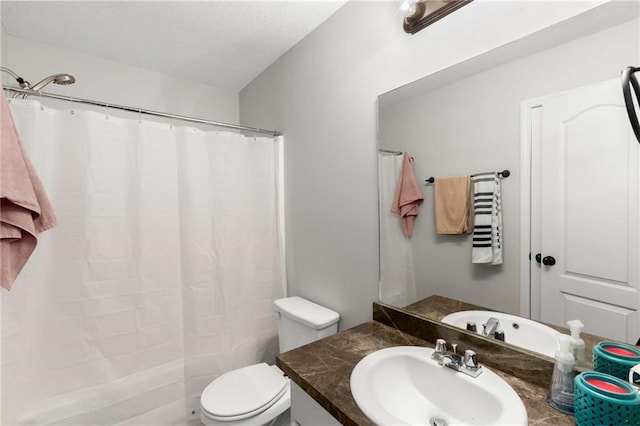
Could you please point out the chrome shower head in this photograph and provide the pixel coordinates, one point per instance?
(62, 79)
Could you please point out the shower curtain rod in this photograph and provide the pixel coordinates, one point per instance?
(139, 110)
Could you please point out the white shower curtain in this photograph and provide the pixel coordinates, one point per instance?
(397, 276)
(158, 278)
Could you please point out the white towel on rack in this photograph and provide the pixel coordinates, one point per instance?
(487, 229)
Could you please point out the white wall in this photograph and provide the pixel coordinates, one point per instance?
(473, 125)
(322, 95)
(3, 43)
(118, 83)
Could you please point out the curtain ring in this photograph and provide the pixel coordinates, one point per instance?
(72, 106)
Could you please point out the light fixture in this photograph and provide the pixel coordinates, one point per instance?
(418, 14)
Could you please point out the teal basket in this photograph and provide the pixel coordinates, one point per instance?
(615, 358)
(601, 399)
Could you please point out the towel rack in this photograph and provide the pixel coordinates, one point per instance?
(502, 174)
(388, 151)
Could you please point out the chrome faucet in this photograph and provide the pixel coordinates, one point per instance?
(467, 364)
(490, 327)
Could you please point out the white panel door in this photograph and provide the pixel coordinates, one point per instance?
(588, 195)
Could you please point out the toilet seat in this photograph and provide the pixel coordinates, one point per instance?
(243, 393)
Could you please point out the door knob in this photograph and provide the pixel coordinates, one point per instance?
(538, 257)
(549, 261)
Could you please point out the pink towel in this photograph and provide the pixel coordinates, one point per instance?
(407, 197)
(25, 209)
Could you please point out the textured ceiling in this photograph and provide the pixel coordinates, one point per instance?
(225, 44)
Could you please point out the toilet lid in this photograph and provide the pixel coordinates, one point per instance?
(243, 392)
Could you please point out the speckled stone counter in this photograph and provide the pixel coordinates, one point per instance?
(323, 370)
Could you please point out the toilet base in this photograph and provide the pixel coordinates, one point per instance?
(284, 419)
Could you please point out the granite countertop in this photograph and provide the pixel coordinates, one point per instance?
(323, 370)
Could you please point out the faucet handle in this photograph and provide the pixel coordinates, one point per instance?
(441, 346)
(471, 360)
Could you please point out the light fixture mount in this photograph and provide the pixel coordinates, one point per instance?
(425, 12)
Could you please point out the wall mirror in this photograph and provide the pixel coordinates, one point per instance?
(482, 115)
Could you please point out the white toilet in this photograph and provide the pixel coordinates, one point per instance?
(259, 394)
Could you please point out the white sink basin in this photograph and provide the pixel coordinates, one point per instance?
(518, 331)
(402, 385)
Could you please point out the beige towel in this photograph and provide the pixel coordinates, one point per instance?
(25, 209)
(407, 197)
(453, 205)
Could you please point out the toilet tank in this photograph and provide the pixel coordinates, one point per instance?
(301, 321)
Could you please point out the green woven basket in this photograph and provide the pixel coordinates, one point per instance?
(615, 358)
(601, 399)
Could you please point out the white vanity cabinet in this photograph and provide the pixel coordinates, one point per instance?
(305, 411)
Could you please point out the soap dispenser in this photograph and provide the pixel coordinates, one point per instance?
(577, 344)
(561, 393)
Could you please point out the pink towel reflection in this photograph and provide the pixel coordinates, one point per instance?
(407, 198)
(25, 209)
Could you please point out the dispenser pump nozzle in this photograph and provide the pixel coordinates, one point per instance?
(577, 344)
(564, 344)
(576, 327)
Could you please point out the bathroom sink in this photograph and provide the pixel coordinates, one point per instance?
(402, 385)
(518, 331)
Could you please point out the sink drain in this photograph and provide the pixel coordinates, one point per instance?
(438, 421)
